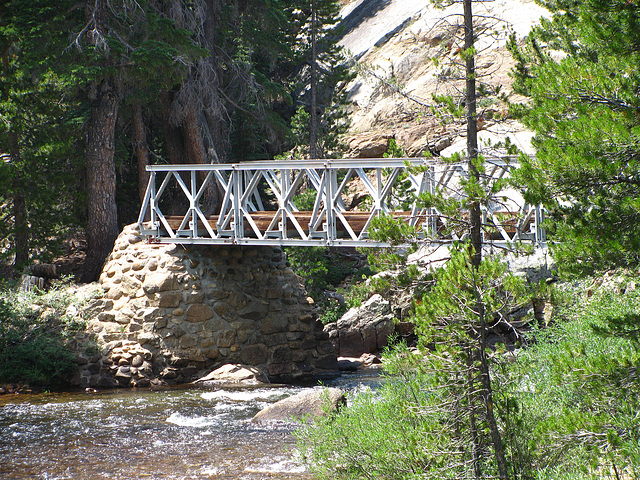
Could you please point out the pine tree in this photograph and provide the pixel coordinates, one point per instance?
(119, 45)
(471, 293)
(324, 70)
(581, 71)
(39, 176)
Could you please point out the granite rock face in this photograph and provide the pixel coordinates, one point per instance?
(186, 310)
(408, 52)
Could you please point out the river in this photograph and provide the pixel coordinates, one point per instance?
(179, 433)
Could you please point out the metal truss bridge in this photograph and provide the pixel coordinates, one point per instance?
(321, 202)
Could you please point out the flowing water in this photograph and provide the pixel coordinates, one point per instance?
(186, 433)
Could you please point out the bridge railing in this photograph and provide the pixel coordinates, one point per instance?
(317, 202)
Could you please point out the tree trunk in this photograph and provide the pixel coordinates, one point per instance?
(142, 150)
(487, 393)
(102, 221)
(172, 134)
(313, 120)
(473, 427)
(496, 437)
(20, 223)
(20, 230)
(475, 216)
(216, 150)
(193, 143)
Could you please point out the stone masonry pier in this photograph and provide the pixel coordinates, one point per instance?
(171, 313)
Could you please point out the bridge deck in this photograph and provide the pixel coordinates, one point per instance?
(258, 202)
(262, 219)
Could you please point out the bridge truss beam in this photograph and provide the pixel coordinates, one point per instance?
(311, 202)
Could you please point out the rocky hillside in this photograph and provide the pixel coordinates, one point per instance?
(407, 51)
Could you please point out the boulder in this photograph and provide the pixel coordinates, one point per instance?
(429, 136)
(310, 404)
(369, 145)
(351, 364)
(237, 373)
(365, 329)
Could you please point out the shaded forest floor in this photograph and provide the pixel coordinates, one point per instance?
(68, 262)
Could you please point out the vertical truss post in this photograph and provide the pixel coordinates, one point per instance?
(432, 219)
(285, 182)
(378, 200)
(238, 217)
(152, 203)
(319, 183)
(146, 202)
(331, 185)
(541, 236)
(192, 206)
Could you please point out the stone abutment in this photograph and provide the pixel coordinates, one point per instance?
(171, 313)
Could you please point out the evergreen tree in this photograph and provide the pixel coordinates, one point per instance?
(468, 288)
(322, 70)
(453, 427)
(455, 318)
(581, 70)
(38, 129)
(120, 45)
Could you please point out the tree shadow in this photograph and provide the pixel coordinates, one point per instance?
(365, 10)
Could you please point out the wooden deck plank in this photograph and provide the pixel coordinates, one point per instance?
(262, 219)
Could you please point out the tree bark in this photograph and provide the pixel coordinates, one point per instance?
(102, 221)
(21, 230)
(473, 427)
(487, 396)
(193, 142)
(20, 222)
(475, 217)
(487, 390)
(142, 150)
(172, 134)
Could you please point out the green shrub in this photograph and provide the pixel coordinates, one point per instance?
(332, 310)
(322, 268)
(578, 387)
(391, 433)
(33, 329)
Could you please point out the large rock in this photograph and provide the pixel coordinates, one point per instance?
(369, 145)
(429, 136)
(237, 373)
(310, 404)
(365, 329)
